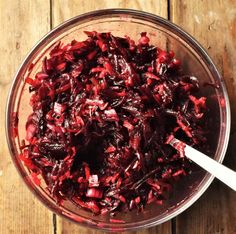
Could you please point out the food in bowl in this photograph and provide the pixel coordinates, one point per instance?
(195, 63)
(102, 112)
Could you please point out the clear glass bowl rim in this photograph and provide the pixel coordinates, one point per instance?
(147, 17)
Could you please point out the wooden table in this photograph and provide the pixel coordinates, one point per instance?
(23, 22)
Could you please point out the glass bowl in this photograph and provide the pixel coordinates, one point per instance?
(165, 35)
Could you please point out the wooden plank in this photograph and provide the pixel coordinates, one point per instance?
(65, 9)
(22, 24)
(213, 24)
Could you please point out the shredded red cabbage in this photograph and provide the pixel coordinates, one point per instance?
(102, 112)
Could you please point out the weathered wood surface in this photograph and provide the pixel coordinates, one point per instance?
(63, 10)
(213, 24)
(22, 23)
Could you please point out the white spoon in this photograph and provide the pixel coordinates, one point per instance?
(220, 171)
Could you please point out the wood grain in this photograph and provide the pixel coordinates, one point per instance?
(65, 9)
(213, 24)
(22, 24)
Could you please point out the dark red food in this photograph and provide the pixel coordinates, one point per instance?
(102, 111)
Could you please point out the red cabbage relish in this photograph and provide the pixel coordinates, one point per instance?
(102, 111)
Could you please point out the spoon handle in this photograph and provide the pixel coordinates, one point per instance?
(220, 171)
